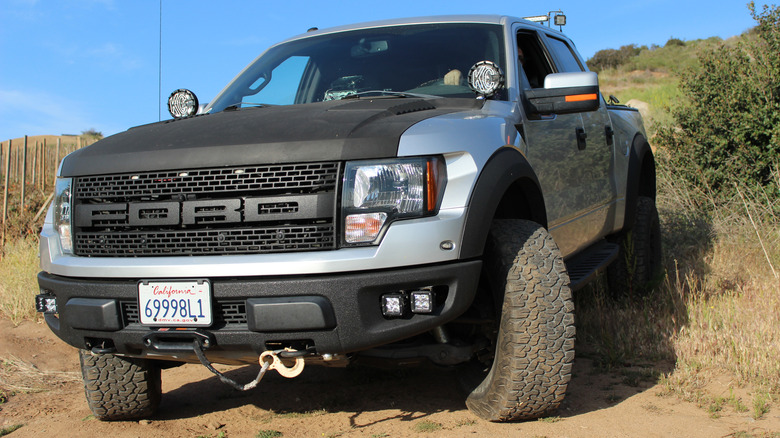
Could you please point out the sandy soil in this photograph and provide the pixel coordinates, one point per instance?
(352, 402)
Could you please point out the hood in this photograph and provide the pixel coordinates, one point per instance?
(324, 131)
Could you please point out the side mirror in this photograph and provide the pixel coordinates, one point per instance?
(564, 93)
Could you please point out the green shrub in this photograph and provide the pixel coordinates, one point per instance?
(726, 131)
(611, 58)
(674, 42)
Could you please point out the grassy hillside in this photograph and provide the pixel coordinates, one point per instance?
(650, 74)
(717, 314)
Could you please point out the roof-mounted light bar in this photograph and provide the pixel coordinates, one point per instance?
(559, 19)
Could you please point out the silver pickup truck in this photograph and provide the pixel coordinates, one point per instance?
(406, 192)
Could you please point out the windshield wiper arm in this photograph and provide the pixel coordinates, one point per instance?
(239, 105)
(358, 94)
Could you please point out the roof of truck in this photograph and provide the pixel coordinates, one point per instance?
(469, 18)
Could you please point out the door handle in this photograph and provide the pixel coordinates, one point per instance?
(582, 136)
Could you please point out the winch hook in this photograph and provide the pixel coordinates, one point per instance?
(268, 360)
(277, 364)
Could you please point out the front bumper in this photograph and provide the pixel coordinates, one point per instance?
(334, 313)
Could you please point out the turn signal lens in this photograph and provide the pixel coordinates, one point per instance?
(364, 227)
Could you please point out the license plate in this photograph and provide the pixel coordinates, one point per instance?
(184, 303)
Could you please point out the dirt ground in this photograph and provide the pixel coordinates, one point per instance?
(48, 400)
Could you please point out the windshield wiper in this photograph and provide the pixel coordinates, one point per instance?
(359, 94)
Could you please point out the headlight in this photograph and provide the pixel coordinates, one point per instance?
(62, 213)
(378, 192)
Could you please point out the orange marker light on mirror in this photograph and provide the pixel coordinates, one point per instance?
(581, 97)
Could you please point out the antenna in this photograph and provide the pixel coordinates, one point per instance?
(159, 73)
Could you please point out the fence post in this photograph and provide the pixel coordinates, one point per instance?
(43, 166)
(24, 172)
(34, 167)
(5, 198)
(57, 160)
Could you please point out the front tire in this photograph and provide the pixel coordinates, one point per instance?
(120, 388)
(534, 346)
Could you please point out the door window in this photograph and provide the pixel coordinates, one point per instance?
(567, 61)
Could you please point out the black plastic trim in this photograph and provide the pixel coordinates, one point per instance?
(504, 169)
(640, 151)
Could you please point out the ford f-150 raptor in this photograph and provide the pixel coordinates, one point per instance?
(412, 191)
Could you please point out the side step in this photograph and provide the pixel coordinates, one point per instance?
(590, 262)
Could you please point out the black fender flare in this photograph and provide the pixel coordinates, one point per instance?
(506, 171)
(641, 179)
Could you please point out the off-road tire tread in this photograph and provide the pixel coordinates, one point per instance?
(639, 259)
(535, 342)
(120, 388)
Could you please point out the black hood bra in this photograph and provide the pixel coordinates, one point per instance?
(330, 131)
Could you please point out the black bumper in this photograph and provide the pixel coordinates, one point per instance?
(336, 314)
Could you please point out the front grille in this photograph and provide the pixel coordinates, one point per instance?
(227, 313)
(218, 211)
(307, 177)
(206, 242)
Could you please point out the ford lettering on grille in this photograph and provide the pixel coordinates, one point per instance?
(203, 212)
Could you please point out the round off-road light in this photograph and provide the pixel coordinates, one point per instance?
(182, 103)
(485, 78)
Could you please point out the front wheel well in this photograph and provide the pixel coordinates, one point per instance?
(647, 182)
(507, 188)
(522, 200)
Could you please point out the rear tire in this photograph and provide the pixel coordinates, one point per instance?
(534, 346)
(637, 268)
(120, 388)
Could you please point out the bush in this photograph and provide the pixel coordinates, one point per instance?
(611, 58)
(675, 42)
(727, 130)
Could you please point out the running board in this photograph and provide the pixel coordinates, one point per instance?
(586, 265)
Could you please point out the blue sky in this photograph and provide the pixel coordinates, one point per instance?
(71, 65)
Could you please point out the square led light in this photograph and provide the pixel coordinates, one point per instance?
(393, 304)
(46, 304)
(422, 301)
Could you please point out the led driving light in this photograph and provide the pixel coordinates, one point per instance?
(393, 304)
(182, 103)
(376, 193)
(422, 301)
(45, 303)
(485, 78)
(62, 213)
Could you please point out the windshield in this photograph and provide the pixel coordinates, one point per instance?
(428, 59)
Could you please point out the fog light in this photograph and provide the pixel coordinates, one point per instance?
(393, 304)
(422, 301)
(46, 304)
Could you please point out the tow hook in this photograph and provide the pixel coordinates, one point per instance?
(268, 360)
(281, 368)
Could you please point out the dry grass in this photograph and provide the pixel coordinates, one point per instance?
(18, 281)
(717, 311)
(17, 375)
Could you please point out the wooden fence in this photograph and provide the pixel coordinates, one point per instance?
(29, 164)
